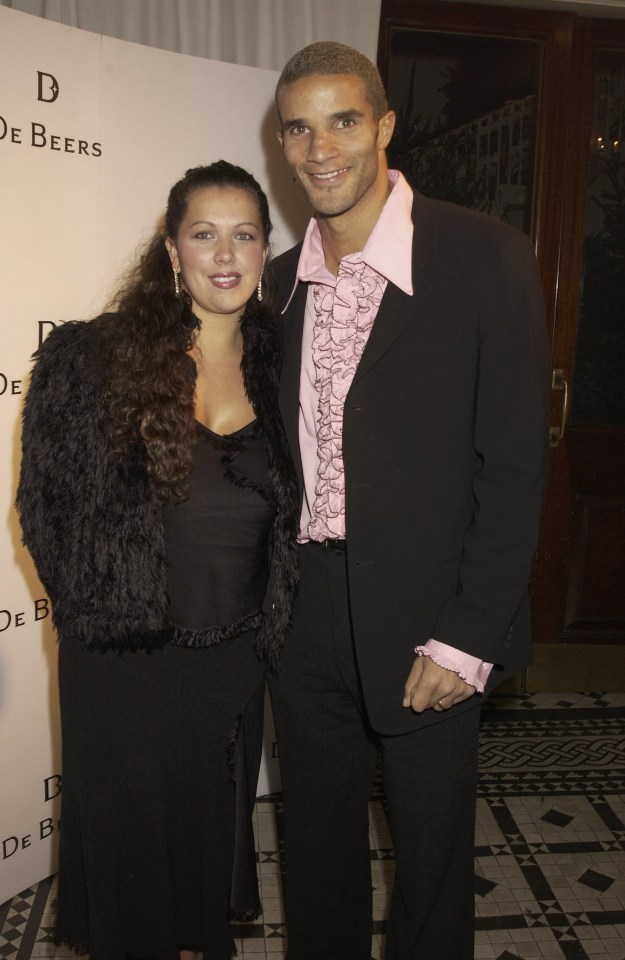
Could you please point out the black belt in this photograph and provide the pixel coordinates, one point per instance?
(338, 546)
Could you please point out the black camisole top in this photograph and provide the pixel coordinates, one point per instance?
(217, 541)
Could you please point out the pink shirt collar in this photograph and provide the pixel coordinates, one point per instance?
(388, 249)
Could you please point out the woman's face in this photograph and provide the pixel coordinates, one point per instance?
(220, 250)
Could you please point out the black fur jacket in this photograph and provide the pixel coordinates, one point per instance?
(92, 522)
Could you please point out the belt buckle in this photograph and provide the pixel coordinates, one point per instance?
(334, 544)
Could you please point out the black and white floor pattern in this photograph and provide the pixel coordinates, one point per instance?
(549, 854)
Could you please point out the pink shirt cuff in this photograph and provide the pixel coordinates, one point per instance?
(471, 669)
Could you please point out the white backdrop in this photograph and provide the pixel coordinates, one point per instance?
(258, 33)
(93, 132)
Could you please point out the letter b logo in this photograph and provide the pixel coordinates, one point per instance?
(47, 87)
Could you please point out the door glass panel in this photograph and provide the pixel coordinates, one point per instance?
(466, 118)
(599, 377)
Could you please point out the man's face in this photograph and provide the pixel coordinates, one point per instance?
(334, 144)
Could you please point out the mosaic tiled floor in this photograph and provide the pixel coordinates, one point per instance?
(550, 843)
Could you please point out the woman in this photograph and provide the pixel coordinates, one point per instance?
(156, 497)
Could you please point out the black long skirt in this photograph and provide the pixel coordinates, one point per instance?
(161, 752)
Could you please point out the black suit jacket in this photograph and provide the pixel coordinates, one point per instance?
(444, 446)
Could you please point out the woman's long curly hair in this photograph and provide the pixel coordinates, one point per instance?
(151, 387)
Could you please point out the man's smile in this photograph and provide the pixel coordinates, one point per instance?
(331, 175)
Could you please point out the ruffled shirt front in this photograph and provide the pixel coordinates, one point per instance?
(343, 320)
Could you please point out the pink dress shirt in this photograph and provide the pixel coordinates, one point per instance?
(340, 312)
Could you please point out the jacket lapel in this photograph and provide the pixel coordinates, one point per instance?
(398, 308)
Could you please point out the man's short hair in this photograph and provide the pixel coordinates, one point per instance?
(332, 59)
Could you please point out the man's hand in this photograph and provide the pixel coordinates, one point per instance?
(430, 685)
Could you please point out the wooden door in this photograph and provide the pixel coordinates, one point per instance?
(579, 585)
(512, 128)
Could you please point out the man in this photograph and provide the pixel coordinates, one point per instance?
(414, 396)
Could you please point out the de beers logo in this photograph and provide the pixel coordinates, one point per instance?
(13, 618)
(14, 843)
(38, 135)
(10, 387)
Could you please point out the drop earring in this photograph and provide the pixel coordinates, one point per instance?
(259, 288)
(177, 281)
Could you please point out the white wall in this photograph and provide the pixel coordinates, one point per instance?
(258, 33)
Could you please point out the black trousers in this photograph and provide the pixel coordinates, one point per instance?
(328, 753)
